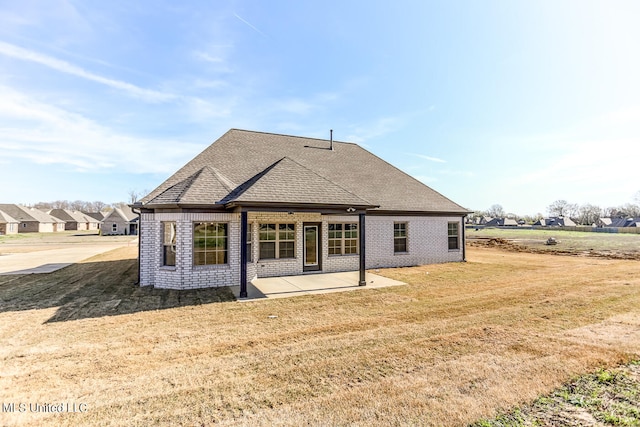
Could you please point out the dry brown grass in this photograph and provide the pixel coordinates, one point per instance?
(461, 342)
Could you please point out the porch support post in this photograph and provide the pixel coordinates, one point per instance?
(362, 281)
(243, 254)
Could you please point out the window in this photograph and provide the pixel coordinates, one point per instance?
(400, 237)
(169, 243)
(343, 239)
(249, 240)
(209, 243)
(453, 235)
(114, 227)
(277, 241)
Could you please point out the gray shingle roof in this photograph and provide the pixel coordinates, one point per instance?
(206, 186)
(68, 215)
(287, 181)
(5, 218)
(311, 170)
(25, 214)
(123, 212)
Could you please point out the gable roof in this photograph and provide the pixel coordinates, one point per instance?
(125, 213)
(302, 185)
(206, 186)
(501, 222)
(555, 221)
(7, 219)
(98, 216)
(25, 214)
(272, 168)
(624, 222)
(70, 216)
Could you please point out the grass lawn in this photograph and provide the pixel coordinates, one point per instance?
(574, 242)
(461, 342)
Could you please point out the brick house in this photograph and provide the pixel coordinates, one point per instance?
(8, 224)
(257, 204)
(33, 220)
(120, 221)
(75, 220)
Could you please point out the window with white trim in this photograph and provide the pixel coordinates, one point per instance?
(399, 237)
(453, 234)
(169, 243)
(277, 241)
(343, 239)
(114, 227)
(210, 243)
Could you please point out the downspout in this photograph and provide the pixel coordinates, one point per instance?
(133, 209)
(464, 241)
(243, 253)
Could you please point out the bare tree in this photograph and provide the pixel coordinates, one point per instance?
(134, 195)
(78, 205)
(589, 214)
(496, 211)
(97, 206)
(562, 208)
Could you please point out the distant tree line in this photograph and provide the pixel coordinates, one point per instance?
(84, 206)
(586, 214)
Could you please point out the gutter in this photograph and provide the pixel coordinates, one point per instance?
(138, 205)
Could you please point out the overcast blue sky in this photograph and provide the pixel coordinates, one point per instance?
(512, 102)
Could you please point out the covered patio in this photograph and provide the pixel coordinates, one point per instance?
(309, 284)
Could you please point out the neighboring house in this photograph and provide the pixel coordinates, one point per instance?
(33, 220)
(120, 221)
(501, 222)
(8, 224)
(483, 220)
(257, 204)
(619, 222)
(555, 222)
(75, 220)
(98, 216)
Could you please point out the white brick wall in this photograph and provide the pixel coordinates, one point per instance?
(426, 242)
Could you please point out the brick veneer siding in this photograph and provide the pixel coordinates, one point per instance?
(185, 275)
(426, 243)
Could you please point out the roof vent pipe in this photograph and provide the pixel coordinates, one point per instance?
(331, 138)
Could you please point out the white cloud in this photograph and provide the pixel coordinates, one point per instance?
(249, 25)
(65, 67)
(47, 134)
(374, 129)
(430, 158)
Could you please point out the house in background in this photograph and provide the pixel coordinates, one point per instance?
(501, 222)
(98, 216)
(558, 221)
(75, 220)
(618, 222)
(8, 224)
(256, 204)
(120, 221)
(33, 220)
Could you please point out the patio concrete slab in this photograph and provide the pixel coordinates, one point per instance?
(47, 261)
(309, 284)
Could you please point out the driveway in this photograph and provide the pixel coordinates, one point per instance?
(48, 260)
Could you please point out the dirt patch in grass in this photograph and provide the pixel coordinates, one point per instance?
(598, 245)
(605, 397)
(460, 342)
